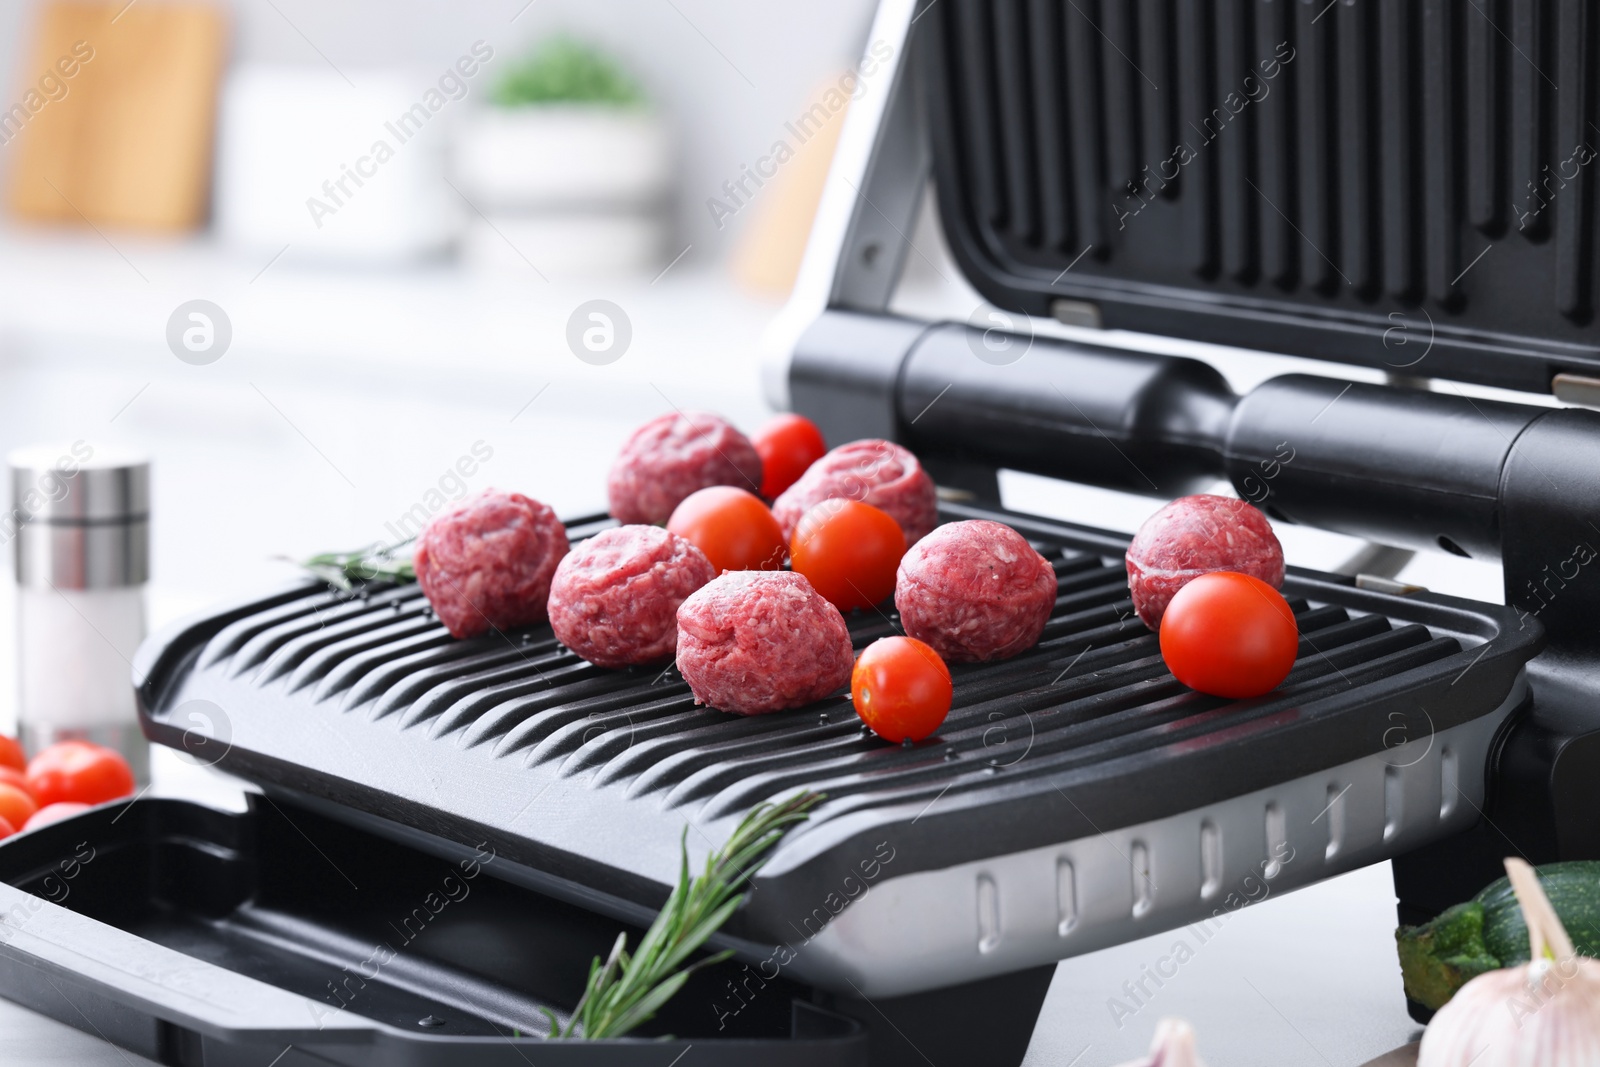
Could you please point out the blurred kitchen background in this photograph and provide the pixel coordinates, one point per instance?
(316, 260)
(367, 333)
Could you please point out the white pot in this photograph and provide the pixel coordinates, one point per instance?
(568, 244)
(288, 134)
(559, 155)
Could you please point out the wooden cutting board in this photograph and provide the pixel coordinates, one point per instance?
(125, 138)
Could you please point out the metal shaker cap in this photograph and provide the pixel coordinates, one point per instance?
(79, 516)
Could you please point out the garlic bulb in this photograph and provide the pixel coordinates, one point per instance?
(1542, 1014)
(1173, 1047)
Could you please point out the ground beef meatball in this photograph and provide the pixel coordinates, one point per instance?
(975, 591)
(1195, 535)
(488, 562)
(751, 642)
(670, 457)
(880, 473)
(614, 600)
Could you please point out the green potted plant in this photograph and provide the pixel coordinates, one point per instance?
(569, 160)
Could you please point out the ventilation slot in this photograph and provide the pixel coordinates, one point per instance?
(1210, 860)
(988, 914)
(1449, 782)
(1144, 890)
(1394, 793)
(1277, 840)
(1066, 898)
(1334, 813)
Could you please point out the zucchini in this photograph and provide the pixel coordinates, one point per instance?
(1444, 954)
(1488, 932)
(1574, 891)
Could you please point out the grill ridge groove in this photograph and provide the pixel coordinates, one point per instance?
(1229, 133)
(231, 638)
(1058, 230)
(308, 658)
(1313, 81)
(529, 732)
(1159, 115)
(1120, 62)
(566, 682)
(520, 677)
(1199, 202)
(1442, 170)
(383, 672)
(1015, 120)
(1085, 133)
(327, 665)
(1485, 118)
(347, 676)
(572, 734)
(1575, 114)
(319, 613)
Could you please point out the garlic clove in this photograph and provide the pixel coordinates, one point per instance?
(1173, 1046)
(1541, 1014)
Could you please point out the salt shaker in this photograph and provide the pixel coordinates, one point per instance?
(80, 521)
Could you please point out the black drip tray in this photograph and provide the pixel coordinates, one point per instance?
(280, 929)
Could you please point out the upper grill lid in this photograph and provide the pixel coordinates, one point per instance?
(1396, 185)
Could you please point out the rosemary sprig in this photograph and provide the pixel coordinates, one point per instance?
(343, 570)
(624, 991)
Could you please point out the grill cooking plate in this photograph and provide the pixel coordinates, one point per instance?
(1076, 796)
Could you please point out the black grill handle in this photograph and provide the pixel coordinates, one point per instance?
(1396, 465)
(1402, 466)
(1140, 422)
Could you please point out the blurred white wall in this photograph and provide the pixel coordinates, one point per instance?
(729, 73)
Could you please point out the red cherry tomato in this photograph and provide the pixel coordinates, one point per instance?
(787, 446)
(11, 754)
(901, 688)
(16, 804)
(1229, 635)
(50, 813)
(79, 771)
(849, 551)
(12, 776)
(735, 530)
(6, 829)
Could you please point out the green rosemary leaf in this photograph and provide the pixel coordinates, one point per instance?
(625, 992)
(644, 1009)
(345, 570)
(699, 934)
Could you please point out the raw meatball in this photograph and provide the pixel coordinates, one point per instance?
(751, 642)
(880, 473)
(975, 591)
(615, 597)
(1195, 535)
(670, 457)
(488, 562)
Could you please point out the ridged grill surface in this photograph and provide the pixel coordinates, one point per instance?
(1095, 688)
(1361, 156)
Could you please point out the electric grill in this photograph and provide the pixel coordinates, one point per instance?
(1342, 167)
